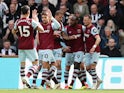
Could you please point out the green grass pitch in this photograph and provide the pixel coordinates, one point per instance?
(60, 91)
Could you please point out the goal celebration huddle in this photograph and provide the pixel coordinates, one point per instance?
(43, 43)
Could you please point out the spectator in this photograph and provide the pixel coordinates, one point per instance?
(1, 27)
(121, 41)
(1, 43)
(100, 26)
(54, 2)
(7, 2)
(72, 1)
(115, 16)
(112, 4)
(64, 9)
(111, 24)
(18, 5)
(45, 3)
(81, 7)
(7, 51)
(38, 1)
(122, 8)
(99, 5)
(107, 36)
(3, 9)
(95, 14)
(104, 2)
(13, 14)
(23, 2)
(7, 34)
(111, 50)
(68, 5)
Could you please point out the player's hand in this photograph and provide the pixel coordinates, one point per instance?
(74, 36)
(92, 50)
(49, 13)
(67, 49)
(57, 33)
(34, 15)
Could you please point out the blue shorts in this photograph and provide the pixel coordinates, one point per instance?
(78, 56)
(57, 54)
(46, 55)
(91, 58)
(69, 59)
(30, 54)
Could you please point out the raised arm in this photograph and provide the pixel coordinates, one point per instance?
(36, 21)
(55, 24)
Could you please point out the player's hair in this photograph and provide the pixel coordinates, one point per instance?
(88, 16)
(74, 17)
(44, 13)
(59, 12)
(25, 9)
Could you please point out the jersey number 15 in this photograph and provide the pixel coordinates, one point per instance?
(24, 31)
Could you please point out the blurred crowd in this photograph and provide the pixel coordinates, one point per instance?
(107, 16)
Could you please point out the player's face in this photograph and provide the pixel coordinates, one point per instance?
(59, 17)
(71, 21)
(45, 19)
(86, 21)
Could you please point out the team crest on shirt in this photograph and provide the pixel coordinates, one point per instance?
(95, 30)
(48, 27)
(70, 32)
(79, 30)
(88, 31)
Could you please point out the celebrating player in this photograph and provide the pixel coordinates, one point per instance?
(46, 46)
(92, 40)
(57, 45)
(24, 28)
(76, 54)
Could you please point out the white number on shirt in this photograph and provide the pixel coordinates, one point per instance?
(24, 31)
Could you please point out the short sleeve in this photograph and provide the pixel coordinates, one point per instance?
(34, 24)
(55, 24)
(94, 31)
(63, 29)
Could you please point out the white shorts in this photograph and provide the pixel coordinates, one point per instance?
(57, 54)
(78, 56)
(30, 54)
(69, 59)
(91, 58)
(46, 55)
